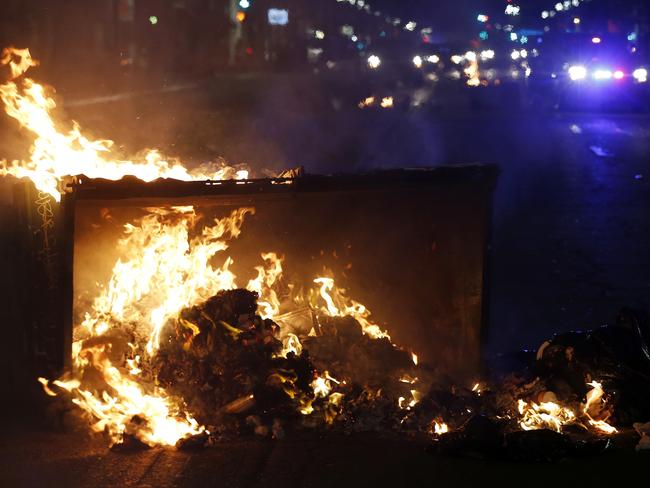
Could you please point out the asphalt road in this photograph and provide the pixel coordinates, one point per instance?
(64, 460)
(570, 233)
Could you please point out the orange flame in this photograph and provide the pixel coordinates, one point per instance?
(18, 60)
(337, 304)
(161, 271)
(595, 406)
(57, 154)
(550, 415)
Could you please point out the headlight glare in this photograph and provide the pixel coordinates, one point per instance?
(577, 73)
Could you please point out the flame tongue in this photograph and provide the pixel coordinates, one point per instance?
(56, 154)
(18, 60)
(595, 407)
(552, 415)
(161, 271)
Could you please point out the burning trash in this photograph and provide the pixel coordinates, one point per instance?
(220, 365)
(187, 332)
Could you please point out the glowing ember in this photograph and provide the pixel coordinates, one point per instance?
(407, 405)
(408, 379)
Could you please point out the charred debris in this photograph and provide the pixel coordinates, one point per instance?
(240, 378)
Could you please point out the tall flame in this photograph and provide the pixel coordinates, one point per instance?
(57, 153)
(595, 407)
(161, 271)
(337, 304)
(264, 282)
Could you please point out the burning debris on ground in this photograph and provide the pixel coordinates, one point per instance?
(237, 378)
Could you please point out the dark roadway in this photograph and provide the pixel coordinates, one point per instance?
(65, 460)
(570, 247)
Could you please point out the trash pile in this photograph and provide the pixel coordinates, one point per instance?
(240, 374)
(237, 377)
(563, 409)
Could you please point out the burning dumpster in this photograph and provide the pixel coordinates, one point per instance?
(400, 253)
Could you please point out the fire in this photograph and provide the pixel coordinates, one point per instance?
(407, 378)
(58, 153)
(161, 270)
(291, 343)
(550, 415)
(263, 285)
(338, 305)
(322, 385)
(18, 60)
(171, 259)
(545, 415)
(595, 406)
(407, 405)
(438, 427)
